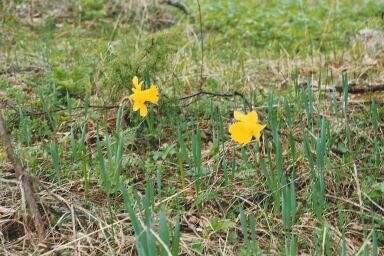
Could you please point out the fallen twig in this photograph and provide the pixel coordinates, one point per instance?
(15, 69)
(24, 178)
(202, 80)
(32, 113)
(233, 94)
(214, 94)
(179, 6)
(352, 88)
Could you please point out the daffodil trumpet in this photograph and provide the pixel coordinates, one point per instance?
(246, 127)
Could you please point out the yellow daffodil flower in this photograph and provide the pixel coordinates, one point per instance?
(246, 127)
(140, 97)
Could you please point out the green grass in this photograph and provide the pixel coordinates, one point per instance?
(174, 182)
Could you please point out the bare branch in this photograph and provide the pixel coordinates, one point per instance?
(361, 89)
(179, 5)
(24, 178)
(233, 94)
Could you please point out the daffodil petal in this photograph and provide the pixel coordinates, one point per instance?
(257, 131)
(140, 84)
(152, 94)
(239, 116)
(240, 133)
(137, 105)
(143, 110)
(135, 81)
(136, 84)
(252, 117)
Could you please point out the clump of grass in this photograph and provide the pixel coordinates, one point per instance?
(249, 235)
(289, 193)
(150, 241)
(111, 167)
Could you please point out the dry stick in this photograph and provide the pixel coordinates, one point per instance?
(352, 88)
(373, 202)
(104, 107)
(31, 12)
(32, 113)
(234, 94)
(202, 47)
(356, 178)
(24, 178)
(16, 69)
(365, 89)
(179, 5)
(75, 245)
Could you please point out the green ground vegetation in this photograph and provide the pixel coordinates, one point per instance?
(174, 182)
